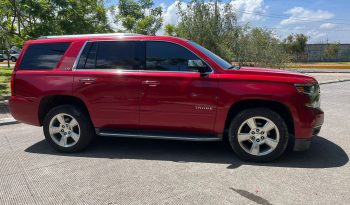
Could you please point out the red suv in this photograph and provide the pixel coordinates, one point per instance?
(137, 86)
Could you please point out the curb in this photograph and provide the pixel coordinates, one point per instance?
(8, 121)
(321, 66)
(331, 82)
(311, 71)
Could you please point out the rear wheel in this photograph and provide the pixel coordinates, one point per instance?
(13, 59)
(68, 128)
(258, 135)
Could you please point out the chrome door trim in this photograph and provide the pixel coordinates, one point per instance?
(74, 67)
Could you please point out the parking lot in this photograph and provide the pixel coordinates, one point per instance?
(127, 171)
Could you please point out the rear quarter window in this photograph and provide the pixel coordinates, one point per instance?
(43, 56)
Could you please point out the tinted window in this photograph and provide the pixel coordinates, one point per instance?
(164, 56)
(83, 56)
(91, 57)
(126, 55)
(43, 56)
(224, 64)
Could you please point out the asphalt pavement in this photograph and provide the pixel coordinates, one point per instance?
(130, 171)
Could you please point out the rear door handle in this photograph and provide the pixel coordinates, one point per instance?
(87, 81)
(151, 83)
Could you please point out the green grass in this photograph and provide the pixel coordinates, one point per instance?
(5, 77)
(5, 71)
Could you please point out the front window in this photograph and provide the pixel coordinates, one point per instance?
(165, 56)
(221, 62)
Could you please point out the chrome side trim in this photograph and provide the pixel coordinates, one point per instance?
(91, 35)
(74, 67)
(147, 71)
(151, 71)
(121, 135)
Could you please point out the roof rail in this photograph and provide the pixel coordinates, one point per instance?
(90, 35)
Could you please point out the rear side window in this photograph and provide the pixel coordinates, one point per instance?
(124, 55)
(43, 56)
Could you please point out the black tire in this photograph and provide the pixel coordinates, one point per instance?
(13, 59)
(262, 112)
(87, 131)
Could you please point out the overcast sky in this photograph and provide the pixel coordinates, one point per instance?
(321, 20)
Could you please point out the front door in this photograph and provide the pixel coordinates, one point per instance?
(174, 97)
(107, 79)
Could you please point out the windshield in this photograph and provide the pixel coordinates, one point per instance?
(224, 64)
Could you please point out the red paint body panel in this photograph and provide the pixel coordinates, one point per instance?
(171, 103)
(159, 100)
(112, 99)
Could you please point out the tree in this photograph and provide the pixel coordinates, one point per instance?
(139, 16)
(258, 46)
(215, 27)
(170, 30)
(208, 24)
(331, 50)
(295, 44)
(25, 19)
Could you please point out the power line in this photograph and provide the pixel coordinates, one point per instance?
(308, 29)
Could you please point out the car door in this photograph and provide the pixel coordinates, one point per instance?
(174, 97)
(107, 79)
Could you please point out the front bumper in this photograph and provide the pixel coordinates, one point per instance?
(307, 122)
(304, 144)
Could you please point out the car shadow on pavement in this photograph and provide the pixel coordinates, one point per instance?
(322, 154)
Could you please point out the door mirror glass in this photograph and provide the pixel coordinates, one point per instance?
(198, 65)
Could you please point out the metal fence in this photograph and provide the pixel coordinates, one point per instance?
(315, 53)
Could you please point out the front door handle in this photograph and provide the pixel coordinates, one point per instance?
(151, 83)
(87, 81)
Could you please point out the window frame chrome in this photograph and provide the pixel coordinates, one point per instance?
(75, 64)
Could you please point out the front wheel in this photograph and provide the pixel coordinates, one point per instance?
(68, 128)
(258, 135)
(13, 59)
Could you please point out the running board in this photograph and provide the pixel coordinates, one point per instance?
(158, 135)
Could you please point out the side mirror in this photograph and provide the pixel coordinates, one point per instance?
(198, 65)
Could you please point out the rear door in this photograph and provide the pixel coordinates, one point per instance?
(107, 79)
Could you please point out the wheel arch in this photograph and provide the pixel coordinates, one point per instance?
(276, 106)
(49, 102)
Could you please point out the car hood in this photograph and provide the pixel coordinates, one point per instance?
(268, 74)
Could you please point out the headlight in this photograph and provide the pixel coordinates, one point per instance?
(313, 91)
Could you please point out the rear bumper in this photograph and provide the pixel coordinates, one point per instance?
(24, 109)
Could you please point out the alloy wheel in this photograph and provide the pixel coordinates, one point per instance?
(64, 130)
(258, 136)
